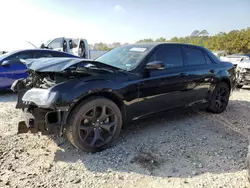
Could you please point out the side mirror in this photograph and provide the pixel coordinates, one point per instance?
(6, 63)
(155, 65)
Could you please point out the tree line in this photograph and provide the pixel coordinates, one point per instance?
(235, 41)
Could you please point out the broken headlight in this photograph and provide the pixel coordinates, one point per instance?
(41, 97)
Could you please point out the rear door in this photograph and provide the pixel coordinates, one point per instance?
(199, 71)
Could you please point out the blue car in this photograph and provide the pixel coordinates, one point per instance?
(11, 67)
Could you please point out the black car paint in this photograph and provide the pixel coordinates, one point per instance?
(141, 92)
(61, 64)
(163, 89)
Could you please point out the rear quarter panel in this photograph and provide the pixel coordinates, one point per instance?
(226, 71)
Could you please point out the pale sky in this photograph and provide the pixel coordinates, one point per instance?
(115, 20)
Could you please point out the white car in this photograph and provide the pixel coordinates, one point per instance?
(235, 58)
(243, 73)
(77, 46)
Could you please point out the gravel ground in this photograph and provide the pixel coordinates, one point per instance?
(198, 149)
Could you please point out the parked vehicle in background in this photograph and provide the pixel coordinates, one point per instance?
(125, 84)
(77, 46)
(12, 68)
(236, 58)
(243, 73)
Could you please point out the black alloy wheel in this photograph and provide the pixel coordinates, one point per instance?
(98, 126)
(219, 99)
(94, 124)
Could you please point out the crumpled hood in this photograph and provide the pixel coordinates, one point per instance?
(244, 64)
(59, 64)
(52, 64)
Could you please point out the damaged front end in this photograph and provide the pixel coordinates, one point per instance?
(43, 108)
(39, 114)
(243, 76)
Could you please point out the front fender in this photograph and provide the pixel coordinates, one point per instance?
(72, 91)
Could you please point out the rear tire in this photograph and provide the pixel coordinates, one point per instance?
(219, 99)
(94, 124)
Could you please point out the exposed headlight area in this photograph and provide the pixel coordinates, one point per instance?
(40, 97)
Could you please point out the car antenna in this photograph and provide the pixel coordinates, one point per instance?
(31, 44)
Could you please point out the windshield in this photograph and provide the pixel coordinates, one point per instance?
(124, 57)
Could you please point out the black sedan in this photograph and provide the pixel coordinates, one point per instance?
(90, 101)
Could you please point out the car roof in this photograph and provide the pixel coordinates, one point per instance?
(2, 56)
(38, 49)
(34, 50)
(154, 44)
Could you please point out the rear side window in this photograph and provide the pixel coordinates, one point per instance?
(208, 60)
(42, 54)
(194, 56)
(171, 56)
(18, 56)
(25, 55)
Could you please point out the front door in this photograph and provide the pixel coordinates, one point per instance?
(163, 89)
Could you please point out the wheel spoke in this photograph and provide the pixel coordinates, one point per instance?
(91, 117)
(97, 136)
(108, 126)
(217, 104)
(88, 130)
(103, 115)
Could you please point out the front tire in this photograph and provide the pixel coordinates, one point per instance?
(94, 124)
(219, 99)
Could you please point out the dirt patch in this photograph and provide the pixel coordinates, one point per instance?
(148, 160)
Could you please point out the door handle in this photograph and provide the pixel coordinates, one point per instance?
(212, 71)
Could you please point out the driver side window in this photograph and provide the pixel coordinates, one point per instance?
(171, 56)
(16, 57)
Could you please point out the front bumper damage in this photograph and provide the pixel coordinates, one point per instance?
(35, 119)
(42, 120)
(243, 77)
